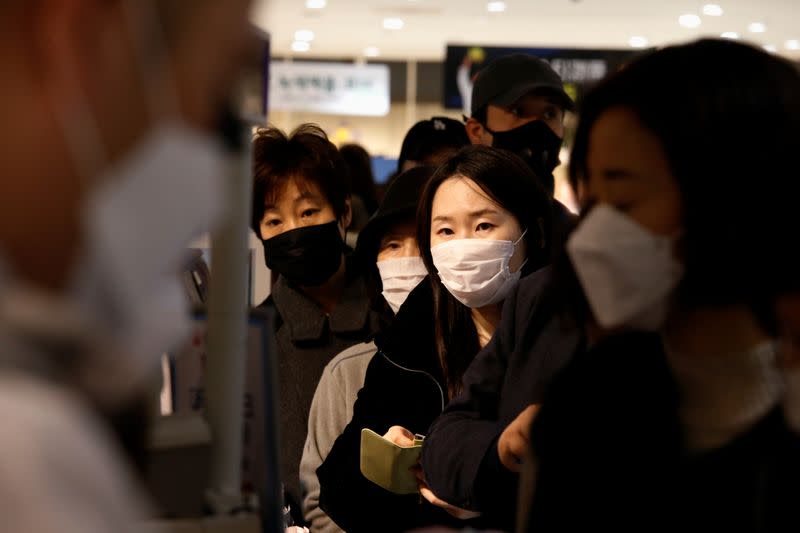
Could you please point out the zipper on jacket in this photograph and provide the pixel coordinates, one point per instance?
(441, 392)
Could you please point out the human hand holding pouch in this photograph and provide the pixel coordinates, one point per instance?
(389, 465)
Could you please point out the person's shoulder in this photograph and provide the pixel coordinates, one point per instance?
(355, 357)
(532, 286)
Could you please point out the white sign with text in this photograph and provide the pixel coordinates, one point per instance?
(330, 88)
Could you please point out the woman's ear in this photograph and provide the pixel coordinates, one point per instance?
(347, 215)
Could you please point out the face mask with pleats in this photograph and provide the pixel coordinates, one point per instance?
(476, 271)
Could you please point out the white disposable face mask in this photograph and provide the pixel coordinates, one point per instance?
(628, 274)
(476, 271)
(138, 219)
(400, 277)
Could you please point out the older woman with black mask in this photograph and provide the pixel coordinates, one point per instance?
(301, 211)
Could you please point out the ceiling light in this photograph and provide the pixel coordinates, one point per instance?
(637, 41)
(316, 4)
(689, 21)
(757, 27)
(792, 44)
(304, 35)
(712, 10)
(372, 51)
(393, 24)
(771, 48)
(496, 7)
(730, 35)
(301, 46)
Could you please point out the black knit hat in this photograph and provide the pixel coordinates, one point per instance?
(399, 202)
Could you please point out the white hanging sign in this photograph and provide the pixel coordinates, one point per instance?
(330, 88)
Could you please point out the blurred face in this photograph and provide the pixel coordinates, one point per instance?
(299, 204)
(98, 76)
(209, 56)
(628, 169)
(400, 240)
(461, 210)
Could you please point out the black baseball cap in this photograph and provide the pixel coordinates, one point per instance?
(507, 79)
(427, 137)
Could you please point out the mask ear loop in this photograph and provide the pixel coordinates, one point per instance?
(515, 245)
(521, 237)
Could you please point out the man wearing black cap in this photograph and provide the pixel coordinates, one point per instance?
(518, 103)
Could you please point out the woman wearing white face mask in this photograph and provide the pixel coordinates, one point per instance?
(387, 246)
(482, 223)
(675, 417)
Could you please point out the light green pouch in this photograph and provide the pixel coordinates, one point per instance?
(388, 465)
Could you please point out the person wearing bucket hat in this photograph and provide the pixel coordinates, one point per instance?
(387, 247)
(518, 104)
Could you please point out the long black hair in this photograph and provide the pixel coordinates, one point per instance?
(728, 117)
(510, 183)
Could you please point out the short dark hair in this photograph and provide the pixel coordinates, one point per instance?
(508, 181)
(362, 179)
(306, 154)
(728, 117)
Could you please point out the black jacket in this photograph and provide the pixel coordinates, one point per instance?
(307, 339)
(460, 457)
(610, 454)
(404, 386)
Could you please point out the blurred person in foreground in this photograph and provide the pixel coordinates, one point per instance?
(126, 97)
(681, 413)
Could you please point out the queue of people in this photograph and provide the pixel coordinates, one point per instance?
(632, 367)
(622, 368)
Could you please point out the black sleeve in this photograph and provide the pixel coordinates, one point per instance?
(462, 443)
(347, 497)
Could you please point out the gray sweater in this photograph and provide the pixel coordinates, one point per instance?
(331, 410)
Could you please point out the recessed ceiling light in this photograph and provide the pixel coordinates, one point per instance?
(792, 44)
(637, 41)
(372, 51)
(757, 27)
(689, 21)
(730, 35)
(301, 46)
(316, 4)
(393, 24)
(496, 7)
(770, 48)
(712, 10)
(304, 35)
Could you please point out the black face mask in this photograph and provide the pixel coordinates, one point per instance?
(307, 256)
(536, 143)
